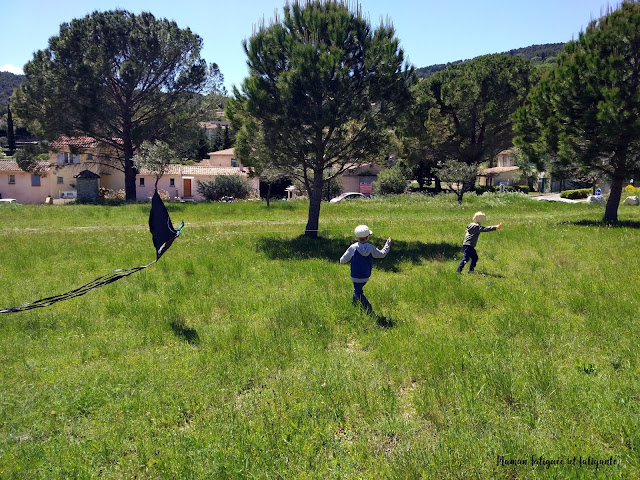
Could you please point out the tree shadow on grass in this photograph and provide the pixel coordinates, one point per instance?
(331, 249)
(186, 333)
(603, 224)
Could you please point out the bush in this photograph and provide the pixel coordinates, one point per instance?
(234, 186)
(517, 188)
(574, 194)
(480, 189)
(391, 180)
(631, 189)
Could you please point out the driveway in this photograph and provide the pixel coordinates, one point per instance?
(555, 197)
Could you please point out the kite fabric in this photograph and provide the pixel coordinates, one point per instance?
(163, 235)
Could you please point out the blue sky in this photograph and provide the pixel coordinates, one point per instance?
(430, 31)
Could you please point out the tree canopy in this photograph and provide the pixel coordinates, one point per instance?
(463, 113)
(117, 77)
(323, 90)
(585, 114)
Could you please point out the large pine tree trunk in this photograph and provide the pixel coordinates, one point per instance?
(129, 180)
(611, 210)
(315, 201)
(129, 167)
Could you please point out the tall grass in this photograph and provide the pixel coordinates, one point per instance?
(239, 354)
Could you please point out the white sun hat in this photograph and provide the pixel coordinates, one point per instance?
(480, 217)
(362, 231)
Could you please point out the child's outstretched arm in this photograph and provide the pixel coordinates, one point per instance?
(382, 253)
(490, 228)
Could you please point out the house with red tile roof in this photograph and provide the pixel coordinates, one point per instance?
(69, 156)
(25, 187)
(505, 172)
(180, 182)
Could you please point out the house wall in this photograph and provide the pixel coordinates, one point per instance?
(353, 178)
(505, 160)
(22, 190)
(145, 192)
(223, 158)
(62, 173)
(350, 183)
(503, 177)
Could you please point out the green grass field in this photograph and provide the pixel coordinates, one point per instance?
(240, 355)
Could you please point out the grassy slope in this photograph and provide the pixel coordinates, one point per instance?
(239, 354)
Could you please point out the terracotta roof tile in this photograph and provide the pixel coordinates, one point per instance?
(508, 151)
(76, 142)
(497, 170)
(228, 151)
(199, 170)
(12, 166)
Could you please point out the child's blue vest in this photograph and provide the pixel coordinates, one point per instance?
(361, 266)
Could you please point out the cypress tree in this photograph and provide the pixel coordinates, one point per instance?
(11, 139)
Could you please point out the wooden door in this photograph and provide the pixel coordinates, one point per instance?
(187, 187)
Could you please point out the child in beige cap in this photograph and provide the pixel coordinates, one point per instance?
(474, 229)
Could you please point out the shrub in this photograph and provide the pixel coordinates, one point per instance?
(391, 180)
(517, 188)
(234, 186)
(631, 189)
(573, 194)
(480, 189)
(110, 195)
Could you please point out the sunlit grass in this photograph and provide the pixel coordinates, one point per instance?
(239, 354)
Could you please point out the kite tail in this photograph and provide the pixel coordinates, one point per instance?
(162, 233)
(98, 282)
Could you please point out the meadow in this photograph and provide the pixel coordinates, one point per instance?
(240, 355)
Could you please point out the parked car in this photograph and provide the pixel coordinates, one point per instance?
(347, 196)
(8, 200)
(69, 194)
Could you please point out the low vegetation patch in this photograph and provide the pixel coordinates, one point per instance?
(575, 194)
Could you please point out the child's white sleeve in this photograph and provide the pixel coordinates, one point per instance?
(346, 256)
(381, 253)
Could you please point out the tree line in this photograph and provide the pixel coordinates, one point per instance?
(326, 92)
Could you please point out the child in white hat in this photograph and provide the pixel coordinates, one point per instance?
(361, 255)
(471, 239)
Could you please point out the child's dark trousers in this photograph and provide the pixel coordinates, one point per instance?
(358, 296)
(469, 254)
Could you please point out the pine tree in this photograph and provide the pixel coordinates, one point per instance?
(324, 89)
(585, 115)
(119, 78)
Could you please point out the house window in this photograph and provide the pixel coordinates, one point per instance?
(89, 156)
(12, 179)
(60, 180)
(234, 162)
(66, 157)
(172, 182)
(141, 182)
(35, 180)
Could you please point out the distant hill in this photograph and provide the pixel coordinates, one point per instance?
(535, 53)
(8, 81)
